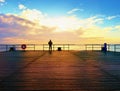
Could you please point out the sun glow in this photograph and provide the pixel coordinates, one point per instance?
(62, 23)
(34, 24)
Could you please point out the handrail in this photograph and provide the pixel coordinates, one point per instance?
(113, 47)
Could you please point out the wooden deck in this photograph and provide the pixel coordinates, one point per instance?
(59, 71)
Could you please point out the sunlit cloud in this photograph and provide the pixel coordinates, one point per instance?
(18, 40)
(32, 15)
(74, 10)
(32, 26)
(2, 1)
(62, 23)
(112, 17)
(13, 26)
(95, 20)
(117, 27)
(21, 7)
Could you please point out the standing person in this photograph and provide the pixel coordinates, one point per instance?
(50, 46)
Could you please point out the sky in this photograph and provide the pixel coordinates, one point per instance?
(62, 21)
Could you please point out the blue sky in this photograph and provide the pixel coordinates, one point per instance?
(52, 7)
(97, 6)
(98, 15)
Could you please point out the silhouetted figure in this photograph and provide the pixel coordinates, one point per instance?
(50, 46)
(104, 48)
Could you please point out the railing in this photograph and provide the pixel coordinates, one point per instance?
(35, 47)
(115, 47)
(93, 46)
(55, 46)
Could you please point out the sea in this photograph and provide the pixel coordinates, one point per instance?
(79, 47)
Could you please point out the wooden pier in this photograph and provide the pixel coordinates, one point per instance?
(59, 71)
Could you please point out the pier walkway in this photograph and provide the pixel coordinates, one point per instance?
(59, 71)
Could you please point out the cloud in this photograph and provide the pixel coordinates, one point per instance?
(11, 25)
(32, 25)
(112, 17)
(117, 27)
(15, 27)
(21, 7)
(94, 20)
(74, 10)
(32, 15)
(2, 1)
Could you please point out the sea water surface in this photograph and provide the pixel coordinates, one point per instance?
(35, 47)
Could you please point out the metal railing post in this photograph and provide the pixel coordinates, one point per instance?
(92, 47)
(114, 48)
(68, 47)
(6, 48)
(63, 47)
(34, 47)
(85, 47)
(53, 47)
(43, 47)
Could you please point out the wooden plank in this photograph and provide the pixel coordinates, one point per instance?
(59, 71)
